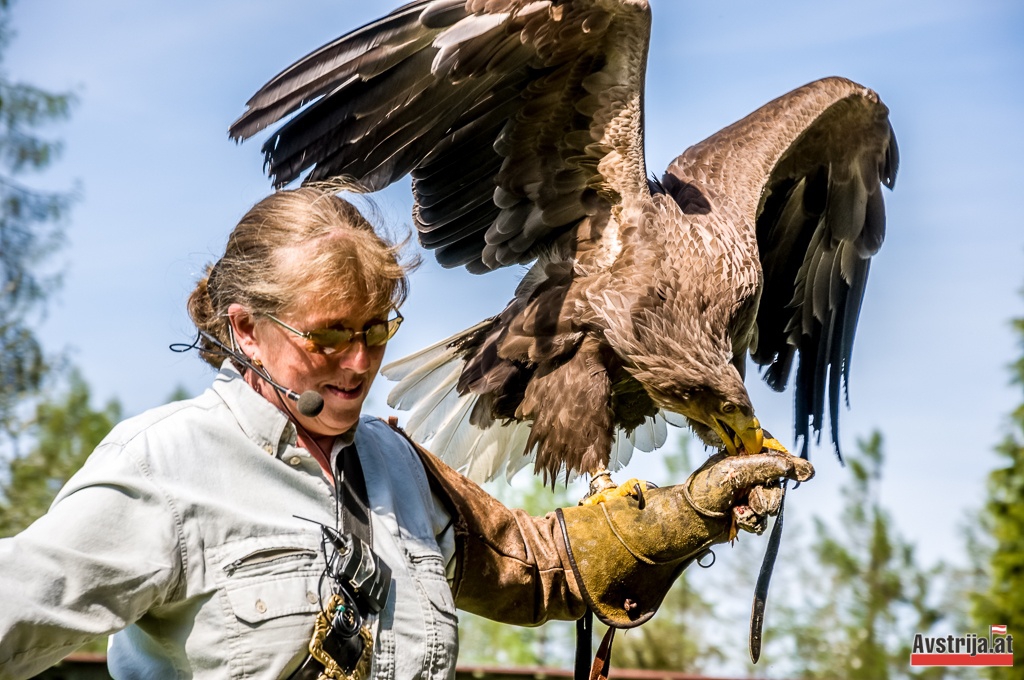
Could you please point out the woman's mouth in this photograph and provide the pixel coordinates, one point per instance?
(353, 391)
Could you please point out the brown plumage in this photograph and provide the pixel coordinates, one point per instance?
(521, 124)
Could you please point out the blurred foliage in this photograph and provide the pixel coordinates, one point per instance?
(29, 230)
(863, 596)
(1002, 520)
(63, 434)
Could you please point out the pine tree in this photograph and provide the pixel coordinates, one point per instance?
(1003, 518)
(29, 230)
(63, 434)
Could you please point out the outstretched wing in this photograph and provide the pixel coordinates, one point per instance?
(806, 172)
(516, 118)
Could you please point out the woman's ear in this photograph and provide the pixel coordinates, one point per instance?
(243, 325)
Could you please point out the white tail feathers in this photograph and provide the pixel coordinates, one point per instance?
(439, 417)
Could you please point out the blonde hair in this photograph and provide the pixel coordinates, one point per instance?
(342, 258)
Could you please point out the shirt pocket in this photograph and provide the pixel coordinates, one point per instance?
(270, 589)
(438, 605)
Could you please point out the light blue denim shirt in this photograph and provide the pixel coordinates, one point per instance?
(179, 538)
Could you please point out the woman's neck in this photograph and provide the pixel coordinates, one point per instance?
(319, 446)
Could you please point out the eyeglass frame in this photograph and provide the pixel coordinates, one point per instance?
(316, 347)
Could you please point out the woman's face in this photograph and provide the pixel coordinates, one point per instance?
(342, 378)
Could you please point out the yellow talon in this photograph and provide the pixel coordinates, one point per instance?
(627, 488)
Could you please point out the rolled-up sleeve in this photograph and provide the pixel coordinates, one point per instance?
(108, 550)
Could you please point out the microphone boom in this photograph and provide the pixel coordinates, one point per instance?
(309, 403)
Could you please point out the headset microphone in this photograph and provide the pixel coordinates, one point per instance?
(309, 403)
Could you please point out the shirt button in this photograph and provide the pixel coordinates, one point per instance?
(311, 597)
(261, 606)
(294, 460)
(268, 448)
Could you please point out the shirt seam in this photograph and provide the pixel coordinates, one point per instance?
(180, 587)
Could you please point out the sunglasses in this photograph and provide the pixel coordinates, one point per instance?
(331, 340)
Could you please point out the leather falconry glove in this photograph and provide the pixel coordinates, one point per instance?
(627, 551)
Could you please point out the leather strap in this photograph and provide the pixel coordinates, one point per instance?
(763, 580)
(352, 497)
(603, 660)
(353, 510)
(584, 645)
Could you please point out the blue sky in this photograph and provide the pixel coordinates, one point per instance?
(161, 186)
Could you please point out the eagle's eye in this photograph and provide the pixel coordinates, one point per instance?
(729, 407)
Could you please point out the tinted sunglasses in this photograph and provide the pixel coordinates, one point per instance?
(331, 340)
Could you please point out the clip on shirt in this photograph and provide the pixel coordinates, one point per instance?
(341, 642)
(341, 647)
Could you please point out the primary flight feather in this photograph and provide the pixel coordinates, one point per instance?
(521, 123)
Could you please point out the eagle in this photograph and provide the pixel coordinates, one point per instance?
(522, 125)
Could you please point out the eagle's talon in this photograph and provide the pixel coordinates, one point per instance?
(632, 487)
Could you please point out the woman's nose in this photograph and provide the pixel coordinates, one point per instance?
(356, 356)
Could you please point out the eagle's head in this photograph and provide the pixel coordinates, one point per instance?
(715, 403)
(683, 356)
(723, 421)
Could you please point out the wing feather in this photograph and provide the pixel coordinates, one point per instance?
(510, 114)
(805, 173)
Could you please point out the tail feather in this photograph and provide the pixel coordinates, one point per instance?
(520, 457)
(432, 413)
(455, 436)
(424, 372)
(651, 434)
(439, 417)
(622, 451)
(497, 448)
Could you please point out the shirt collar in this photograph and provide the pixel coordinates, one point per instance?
(261, 421)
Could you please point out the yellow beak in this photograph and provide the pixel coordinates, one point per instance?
(739, 432)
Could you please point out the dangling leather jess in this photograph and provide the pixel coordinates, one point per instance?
(584, 645)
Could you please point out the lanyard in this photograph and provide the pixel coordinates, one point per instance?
(353, 502)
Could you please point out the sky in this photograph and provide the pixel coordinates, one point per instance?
(160, 187)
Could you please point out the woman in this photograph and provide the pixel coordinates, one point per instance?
(211, 537)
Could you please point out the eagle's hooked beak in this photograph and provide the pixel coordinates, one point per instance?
(739, 431)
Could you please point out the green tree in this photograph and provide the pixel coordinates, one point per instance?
(29, 230)
(63, 434)
(864, 596)
(1003, 520)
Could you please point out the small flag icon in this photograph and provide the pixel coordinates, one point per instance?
(997, 630)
